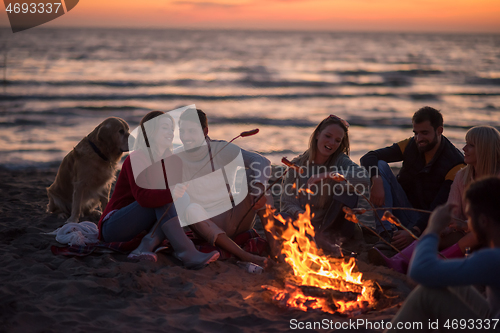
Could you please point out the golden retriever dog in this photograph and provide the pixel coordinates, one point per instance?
(83, 181)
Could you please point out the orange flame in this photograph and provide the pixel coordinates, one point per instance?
(306, 190)
(388, 216)
(312, 268)
(338, 177)
(350, 214)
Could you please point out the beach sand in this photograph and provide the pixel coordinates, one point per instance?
(42, 292)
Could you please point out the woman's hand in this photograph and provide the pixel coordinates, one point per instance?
(377, 193)
(179, 191)
(317, 178)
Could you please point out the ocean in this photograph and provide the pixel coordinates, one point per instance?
(56, 85)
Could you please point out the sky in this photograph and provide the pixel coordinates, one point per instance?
(325, 15)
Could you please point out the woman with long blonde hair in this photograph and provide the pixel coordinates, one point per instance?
(328, 153)
(482, 156)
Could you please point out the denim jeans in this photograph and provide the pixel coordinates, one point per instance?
(131, 220)
(395, 196)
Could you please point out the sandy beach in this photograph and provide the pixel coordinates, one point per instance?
(104, 292)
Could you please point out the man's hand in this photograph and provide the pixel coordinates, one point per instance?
(402, 239)
(377, 193)
(440, 219)
(262, 201)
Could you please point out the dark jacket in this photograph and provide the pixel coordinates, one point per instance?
(425, 185)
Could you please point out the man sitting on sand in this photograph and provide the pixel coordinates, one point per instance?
(430, 163)
(446, 300)
(219, 213)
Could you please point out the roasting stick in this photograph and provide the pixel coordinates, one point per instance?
(338, 177)
(241, 135)
(394, 220)
(289, 165)
(351, 216)
(387, 215)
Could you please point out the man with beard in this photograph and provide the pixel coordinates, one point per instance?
(446, 300)
(430, 162)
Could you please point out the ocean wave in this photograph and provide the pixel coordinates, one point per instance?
(483, 81)
(201, 97)
(263, 121)
(68, 117)
(45, 97)
(409, 72)
(5, 151)
(94, 97)
(112, 84)
(403, 122)
(354, 121)
(28, 164)
(22, 122)
(279, 152)
(249, 81)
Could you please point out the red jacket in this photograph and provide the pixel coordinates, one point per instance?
(127, 191)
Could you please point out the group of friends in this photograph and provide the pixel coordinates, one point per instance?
(461, 190)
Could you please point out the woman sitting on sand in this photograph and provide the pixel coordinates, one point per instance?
(482, 156)
(328, 153)
(141, 196)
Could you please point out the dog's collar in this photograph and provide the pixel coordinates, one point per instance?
(97, 151)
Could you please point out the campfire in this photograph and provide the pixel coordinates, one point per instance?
(319, 282)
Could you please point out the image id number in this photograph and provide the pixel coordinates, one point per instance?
(33, 8)
(487, 324)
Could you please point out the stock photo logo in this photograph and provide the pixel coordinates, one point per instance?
(26, 14)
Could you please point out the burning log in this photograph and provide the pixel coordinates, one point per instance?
(345, 296)
(316, 281)
(292, 298)
(310, 298)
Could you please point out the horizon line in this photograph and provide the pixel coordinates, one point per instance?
(282, 30)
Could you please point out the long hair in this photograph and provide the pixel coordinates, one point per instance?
(486, 140)
(307, 158)
(143, 139)
(310, 154)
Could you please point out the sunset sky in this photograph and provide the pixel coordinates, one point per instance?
(351, 15)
